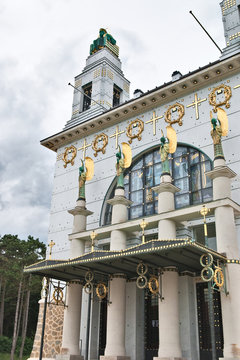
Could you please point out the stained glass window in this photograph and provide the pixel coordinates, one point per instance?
(188, 167)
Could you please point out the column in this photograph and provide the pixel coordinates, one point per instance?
(72, 313)
(226, 236)
(116, 316)
(169, 333)
(71, 327)
(169, 336)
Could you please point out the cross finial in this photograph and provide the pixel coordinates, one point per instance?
(92, 236)
(51, 245)
(143, 224)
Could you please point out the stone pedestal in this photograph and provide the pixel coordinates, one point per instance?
(169, 337)
(71, 328)
(227, 243)
(80, 214)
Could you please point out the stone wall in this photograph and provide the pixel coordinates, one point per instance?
(53, 331)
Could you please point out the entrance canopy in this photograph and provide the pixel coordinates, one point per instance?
(182, 253)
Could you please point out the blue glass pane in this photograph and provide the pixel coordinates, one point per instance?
(137, 197)
(194, 158)
(137, 180)
(156, 156)
(148, 209)
(138, 165)
(157, 173)
(149, 176)
(195, 177)
(206, 181)
(136, 212)
(181, 200)
(180, 167)
(183, 185)
(180, 151)
(207, 194)
(149, 159)
(197, 197)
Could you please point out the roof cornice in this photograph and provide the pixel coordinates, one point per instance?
(191, 82)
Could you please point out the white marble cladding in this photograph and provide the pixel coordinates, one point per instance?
(193, 132)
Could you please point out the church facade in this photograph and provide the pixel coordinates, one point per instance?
(145, 214)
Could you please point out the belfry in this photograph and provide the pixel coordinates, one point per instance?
(144, 235)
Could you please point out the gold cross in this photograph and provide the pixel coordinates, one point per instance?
(204, 211)
(92, 236)
(196, 103)
(84, 147)
(153, 121)
(143, 224)
(117, 134)
(51, 245)
(237, 86)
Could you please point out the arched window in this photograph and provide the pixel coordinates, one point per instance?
(188, 166)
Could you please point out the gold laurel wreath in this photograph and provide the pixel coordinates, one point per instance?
(95, 147)
(168, 114)
(101, 286)
(58, 295)
(138, 282)
(219, 273)
(140, 124)
(153, 279)
(213, 97)
(88, 287)
(70, 149)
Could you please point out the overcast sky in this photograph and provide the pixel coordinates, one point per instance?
(44, 44)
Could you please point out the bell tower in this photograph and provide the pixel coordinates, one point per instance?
(101, 85)
(231, 24)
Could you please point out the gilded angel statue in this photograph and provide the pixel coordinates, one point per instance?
(86, 172)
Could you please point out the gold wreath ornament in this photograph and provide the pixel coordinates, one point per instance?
(89, 276)
(101, 291)
(218, 277)
(181, 112)
(210, 273)
(142, 269)
(172, 139)
(133, 124)
(89, 164)
(153, 285)
(95, 145)
(88, 287)
(127, 152)
(206, 260)
(58, 295)
(213, 97)
(140, 283)
(69, 150)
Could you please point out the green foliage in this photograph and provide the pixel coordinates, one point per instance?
(6, 344)
(14, 255)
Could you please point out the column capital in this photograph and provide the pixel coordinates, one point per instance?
(119, 199)
(221, 171)
(165, 187)
(80, 210)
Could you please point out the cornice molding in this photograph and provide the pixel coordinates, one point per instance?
(159, 96)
